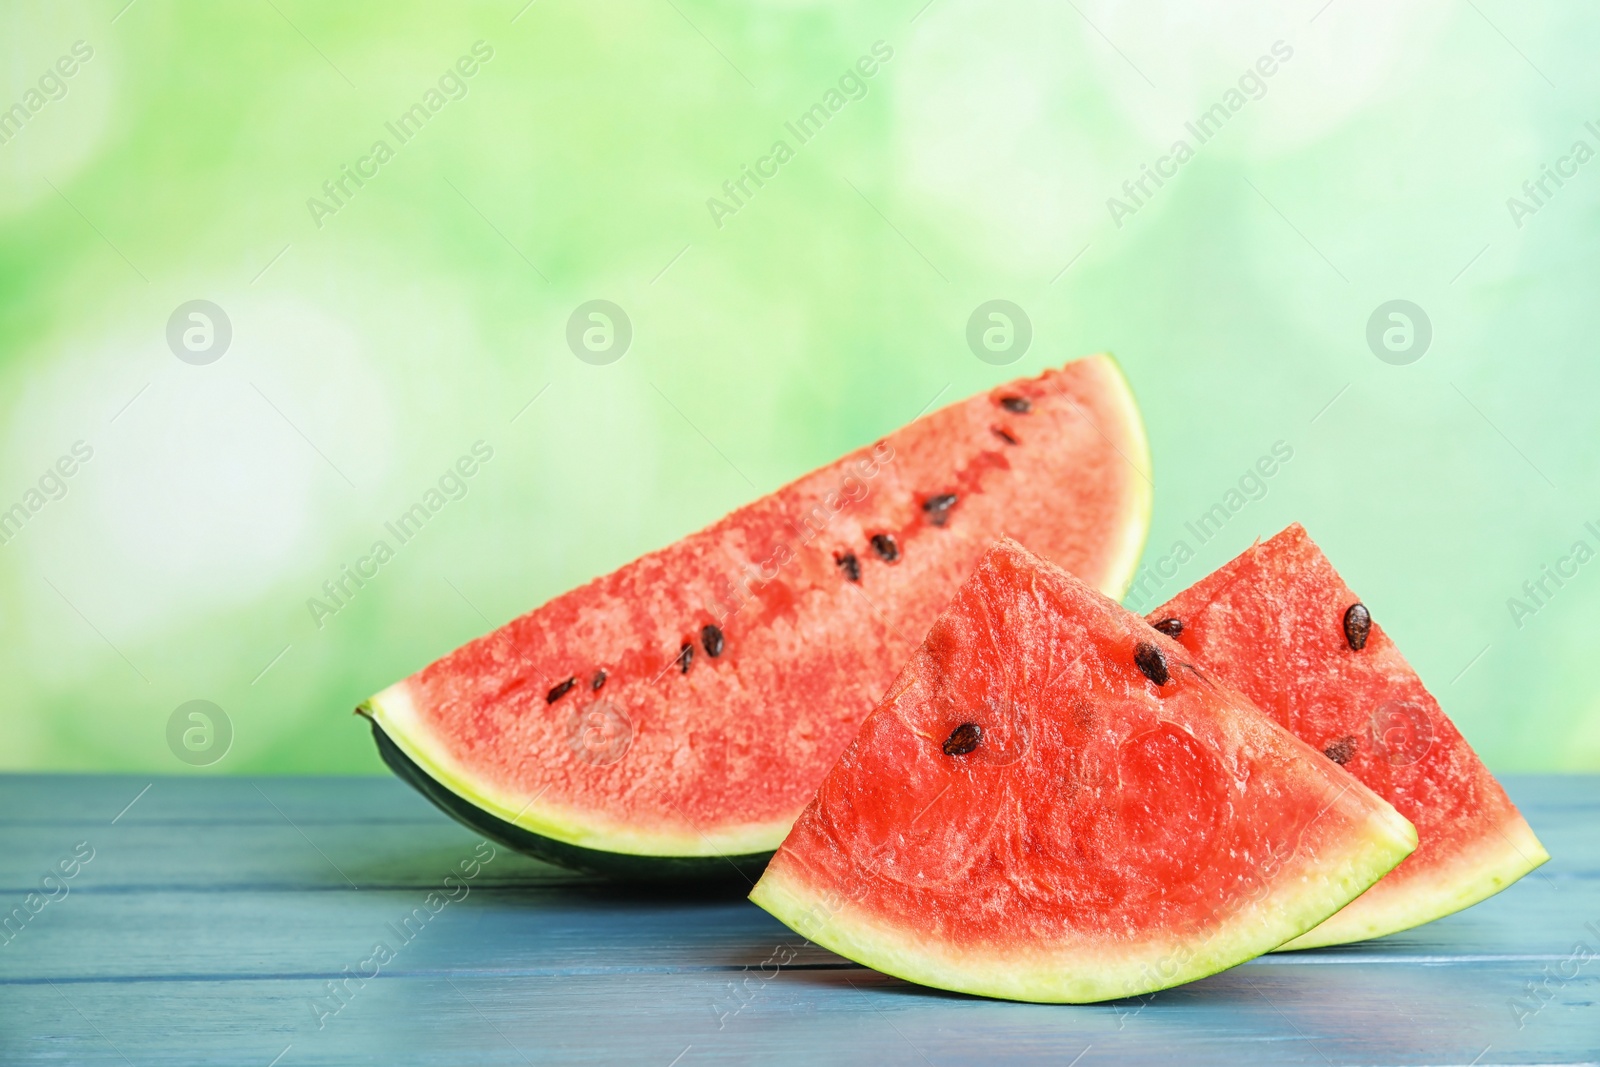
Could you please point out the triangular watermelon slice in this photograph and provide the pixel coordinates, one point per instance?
(1280, 625)
(673, 717)
(1052, 804)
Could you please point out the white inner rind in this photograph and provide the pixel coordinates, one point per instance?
(1401, 903)
(1092, 969)
(395, 712)
(1135, 448)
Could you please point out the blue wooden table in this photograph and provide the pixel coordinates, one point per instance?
(227, 920)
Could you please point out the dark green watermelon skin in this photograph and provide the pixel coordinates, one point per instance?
(712, 872)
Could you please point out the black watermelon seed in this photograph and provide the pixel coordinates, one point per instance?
(1148, 658)
(1170, 627)
(1019, 405)
(560, 690)
(938, 508)
(685, 657)
(1357, 625)
(1004, 434)
(887, 548)
(963, 739)
(711, 638)
(1341, 751)
(599, 679)
(849, 564)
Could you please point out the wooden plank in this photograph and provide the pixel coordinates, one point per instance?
(587, 927)
(1284, 1013)
(67, 799)
(216, 911)
(283, 833)
(152, 885)
(260, 856)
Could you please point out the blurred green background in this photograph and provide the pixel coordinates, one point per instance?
(376, 338)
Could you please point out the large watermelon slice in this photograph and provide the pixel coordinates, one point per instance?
(1052, 804)
(1279, 624)
(677, 714)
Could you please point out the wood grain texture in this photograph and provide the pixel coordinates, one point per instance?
(216, 911)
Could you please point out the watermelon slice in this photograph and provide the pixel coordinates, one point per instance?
(1279, 624)
(673, 717)
(1051, 804)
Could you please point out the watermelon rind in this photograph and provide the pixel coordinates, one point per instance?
(1473, 876)
(1299, 898)
(736, 871)
(1137, 444)
(571, 839)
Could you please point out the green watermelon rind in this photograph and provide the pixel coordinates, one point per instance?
(701, 870)
(1473, 877)
(1299, 900)
(597, 844)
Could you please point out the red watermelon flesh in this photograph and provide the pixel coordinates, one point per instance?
(687, 704)
(1052, 804)
(1272, 623)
